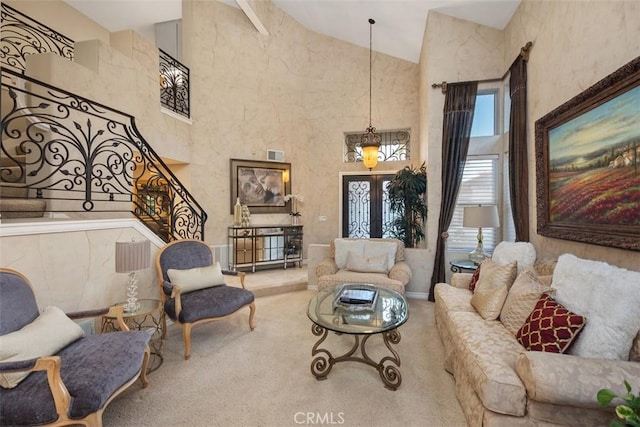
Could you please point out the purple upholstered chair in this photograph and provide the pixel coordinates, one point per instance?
(76, 384)
(203, 305)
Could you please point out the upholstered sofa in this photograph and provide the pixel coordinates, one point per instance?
(51, 373)
(501, 383)
(376, 261)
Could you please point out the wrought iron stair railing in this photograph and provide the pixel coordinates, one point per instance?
(23, 36)
(82, 156)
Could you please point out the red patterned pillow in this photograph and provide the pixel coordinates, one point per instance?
(474, 279)
(550, 327)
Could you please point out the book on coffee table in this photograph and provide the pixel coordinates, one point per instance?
(357, 297)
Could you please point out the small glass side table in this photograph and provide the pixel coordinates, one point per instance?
(460, 265)
(147, 317)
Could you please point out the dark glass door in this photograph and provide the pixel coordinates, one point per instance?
(365, 206)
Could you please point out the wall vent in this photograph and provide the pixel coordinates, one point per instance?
(275, 155)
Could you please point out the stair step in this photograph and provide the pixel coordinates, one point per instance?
(15, 158)
(13, 192)
(22, 208)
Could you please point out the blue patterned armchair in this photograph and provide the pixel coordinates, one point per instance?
(211, 299)
(50, 373)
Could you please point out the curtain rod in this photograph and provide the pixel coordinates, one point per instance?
(524, 53)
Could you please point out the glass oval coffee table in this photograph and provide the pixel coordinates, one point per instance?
(362, 319)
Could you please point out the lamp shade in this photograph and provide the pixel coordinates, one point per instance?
(481, 216)
(133, 256)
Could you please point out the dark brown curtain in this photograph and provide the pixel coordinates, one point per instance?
(518, 161)
(456, 129)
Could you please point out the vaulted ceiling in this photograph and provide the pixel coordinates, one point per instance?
(398, 31)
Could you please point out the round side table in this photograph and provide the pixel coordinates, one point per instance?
(459, 266)
(147, 317)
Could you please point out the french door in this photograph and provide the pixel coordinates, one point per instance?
(365, 206)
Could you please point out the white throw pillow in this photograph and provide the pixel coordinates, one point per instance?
(343, 247)
(524, 253)
(373, 248)
(45, 336)
(374, 264)
(196, 278)
(608, 296)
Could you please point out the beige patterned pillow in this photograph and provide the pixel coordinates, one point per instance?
(492, 288)
(373, 264)
(521, 300)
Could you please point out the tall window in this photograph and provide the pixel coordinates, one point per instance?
(479, 187)
(482, 175)
(484, 115)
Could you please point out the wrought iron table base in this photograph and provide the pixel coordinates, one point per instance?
(389, 374)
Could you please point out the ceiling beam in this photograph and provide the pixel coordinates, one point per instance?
(252, 9)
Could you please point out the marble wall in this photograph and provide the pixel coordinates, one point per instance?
(575, 44)
(293, 90)
(72, 266)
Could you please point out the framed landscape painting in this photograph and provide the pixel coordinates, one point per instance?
(588, 164)
(260, 185)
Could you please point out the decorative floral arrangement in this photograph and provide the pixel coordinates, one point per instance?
(295, 198)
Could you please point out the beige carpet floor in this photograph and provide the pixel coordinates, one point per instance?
(262, 378)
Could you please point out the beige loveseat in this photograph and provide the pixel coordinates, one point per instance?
(376, 261)
(500, 383)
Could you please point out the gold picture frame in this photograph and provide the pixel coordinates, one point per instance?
(588, 164)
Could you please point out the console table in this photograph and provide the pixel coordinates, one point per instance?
(265, 245)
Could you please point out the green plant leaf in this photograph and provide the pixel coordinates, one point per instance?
(624, 412)
(605, 396)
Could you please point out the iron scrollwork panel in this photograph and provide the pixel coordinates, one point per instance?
(88, 157)
(23, 36)
(174, 85)
(395, 146)
(359, 209)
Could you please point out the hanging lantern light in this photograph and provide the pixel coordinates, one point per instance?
(370, 142)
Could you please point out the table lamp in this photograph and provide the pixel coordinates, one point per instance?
(480, 216)
(131, 257)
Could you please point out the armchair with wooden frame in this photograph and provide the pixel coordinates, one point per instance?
(210, 301)
(51, 373)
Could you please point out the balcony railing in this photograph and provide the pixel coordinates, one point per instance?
(23, 36)
(81, 156)
(174, 85)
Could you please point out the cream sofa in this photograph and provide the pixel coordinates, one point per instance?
(500, 383)
(376, 261)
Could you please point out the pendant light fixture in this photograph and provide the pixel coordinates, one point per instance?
(370, 143)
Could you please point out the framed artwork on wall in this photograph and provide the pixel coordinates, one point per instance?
(588, 164)
(261, 185)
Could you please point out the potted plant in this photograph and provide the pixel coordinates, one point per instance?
(408, 204)
(629, 412)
